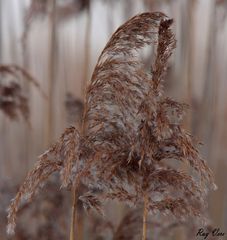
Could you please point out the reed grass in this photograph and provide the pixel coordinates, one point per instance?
(131, 132)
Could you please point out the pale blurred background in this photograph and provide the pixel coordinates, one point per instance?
(58, 43)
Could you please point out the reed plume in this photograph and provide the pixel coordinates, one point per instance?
(131, 139)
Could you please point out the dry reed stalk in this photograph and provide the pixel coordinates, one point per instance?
(207, 108)
(87, 50)
(73, 215)
(26, 64)
(110, 17)
(1, 28)
(74, 109)
(51, 71)
(131, 133)
(81, 227)
(190, 8)
(145, 212)
(84, 87)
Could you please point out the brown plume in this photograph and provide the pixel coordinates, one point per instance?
(131, 139)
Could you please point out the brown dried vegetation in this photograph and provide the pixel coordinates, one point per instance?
(40, 8)
(131, 138)
(161, 227)
(47, 217)
(74, 109)
(12, 100)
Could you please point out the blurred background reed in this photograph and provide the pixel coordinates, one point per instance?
(58, 42)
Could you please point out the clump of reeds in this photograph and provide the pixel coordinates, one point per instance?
(131, 141)
(13, 101)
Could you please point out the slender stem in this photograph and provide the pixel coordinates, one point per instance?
(51, 73)
(74, 221)
(144, 237)
(80, 226)
(73, 217)
(87, 51)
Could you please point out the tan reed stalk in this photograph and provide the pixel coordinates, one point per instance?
(190, 52)
(110, 18)
(73, 217)
(189, 10)
(208, 109)
(80, 219)
(75, 223)
(207, 106)
(1, 31)
(25, 55)
(51, 73)
(87, 49)
(145, 212)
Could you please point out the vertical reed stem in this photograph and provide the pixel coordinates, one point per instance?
(74, 222)
(51, 73)
(73, 217)
(87, 51)
(144, 236)
(80, 227)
